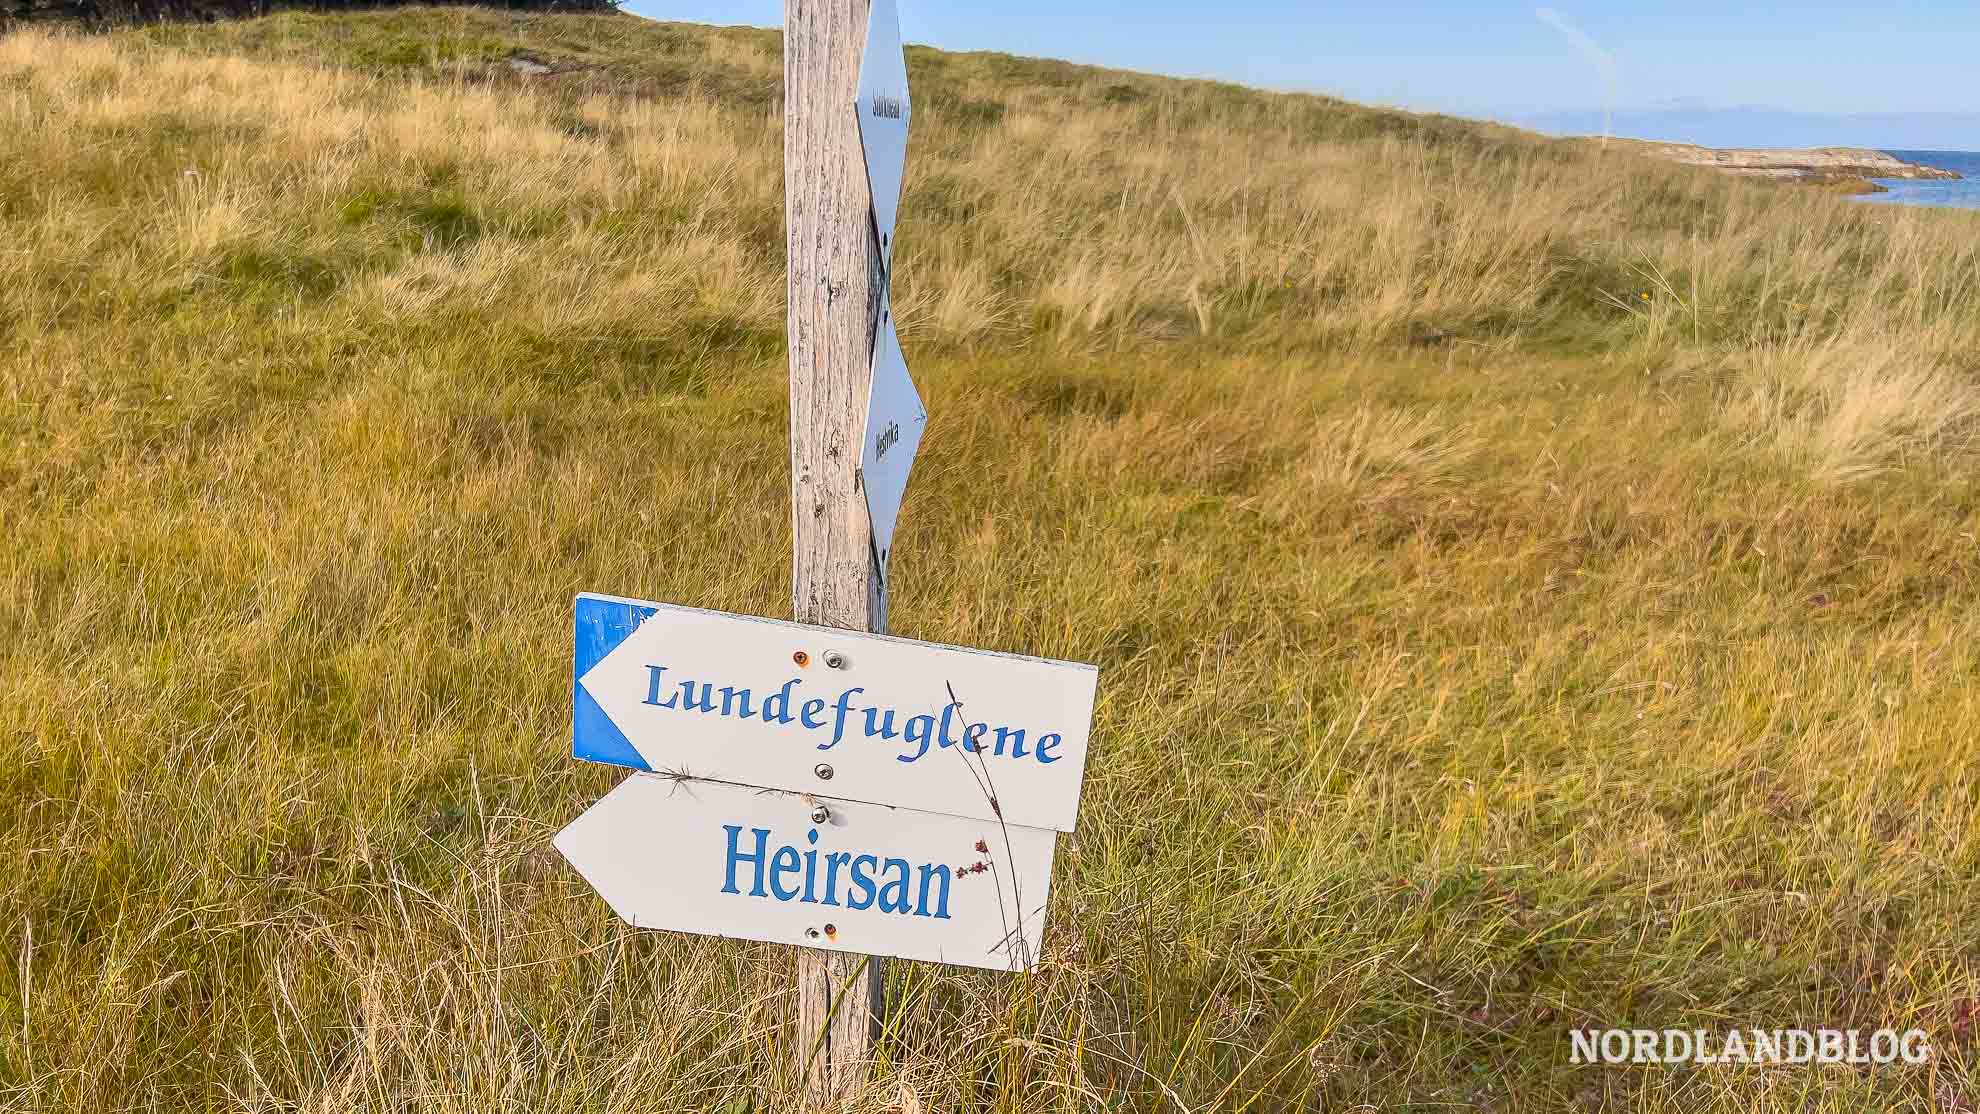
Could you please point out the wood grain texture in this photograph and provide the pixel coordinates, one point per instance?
(836, 283)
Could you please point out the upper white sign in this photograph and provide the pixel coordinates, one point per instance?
(723, 860)
(895, 421)
(835, 713)
(884, 112)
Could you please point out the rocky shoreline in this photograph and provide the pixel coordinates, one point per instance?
(1837, 167)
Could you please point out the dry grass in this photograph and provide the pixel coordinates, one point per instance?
(1533, 590)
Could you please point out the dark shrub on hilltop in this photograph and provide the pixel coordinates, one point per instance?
(100, 12)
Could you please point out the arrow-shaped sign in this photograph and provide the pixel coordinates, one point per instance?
(725, 860)
(895, 421)
(757, 865)
(884, 112)
(830, 712)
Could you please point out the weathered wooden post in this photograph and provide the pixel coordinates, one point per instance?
(837, 283)
(808, 783)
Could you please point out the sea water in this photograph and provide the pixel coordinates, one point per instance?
(1961, 194)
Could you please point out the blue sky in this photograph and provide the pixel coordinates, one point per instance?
(1486, 58)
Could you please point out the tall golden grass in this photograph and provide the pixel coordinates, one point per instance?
(1535, 589)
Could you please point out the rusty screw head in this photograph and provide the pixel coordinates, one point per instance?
(820, 814)
(801, 658)
(834, 660)
(823, 770)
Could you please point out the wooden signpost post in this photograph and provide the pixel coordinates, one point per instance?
(818, 783)
(836, 284)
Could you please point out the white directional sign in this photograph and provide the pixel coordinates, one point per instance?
(726, 860)
(895, 421)
(884, 113)
(836, 713)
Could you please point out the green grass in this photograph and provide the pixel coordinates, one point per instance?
(1606, 656)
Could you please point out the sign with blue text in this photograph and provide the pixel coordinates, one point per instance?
(895, 421)
(726, 860)
(835, 713)
(884, 113)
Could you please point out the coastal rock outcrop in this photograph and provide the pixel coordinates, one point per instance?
(1821, 164)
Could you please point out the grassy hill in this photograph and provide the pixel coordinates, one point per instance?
(1534, 588)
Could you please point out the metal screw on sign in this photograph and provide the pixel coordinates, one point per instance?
(820, 814)
(834, 660)
(823, 771)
